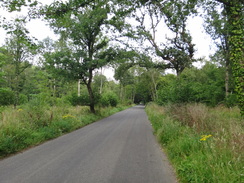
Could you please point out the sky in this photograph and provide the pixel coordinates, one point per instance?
(40, 30)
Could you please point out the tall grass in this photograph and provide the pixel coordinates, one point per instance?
(204, 144)
(33, 124)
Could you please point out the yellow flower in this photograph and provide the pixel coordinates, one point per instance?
(205, 137)
(68, 116)
(20, 110)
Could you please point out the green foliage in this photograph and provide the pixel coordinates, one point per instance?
(81, 100)
(235, 21)
(6, 96)
(177, 52)
(20, 49)
(16, 5)
(228, 26)
(231, 100)
(82, 24)
(37, 108)
(104, 101)
(200, 142)
(109, 99)
(204, 85)
(23, 99)
(99, 82)
(37, 122)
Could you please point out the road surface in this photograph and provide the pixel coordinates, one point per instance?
(117, 149)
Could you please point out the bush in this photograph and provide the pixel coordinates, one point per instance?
(6, 96)
(193, 85)
(79, 100)
(109, 99)
(231, 100)
(23, 99)
(37, 112)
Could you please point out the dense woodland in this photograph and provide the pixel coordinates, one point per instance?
(94, 34)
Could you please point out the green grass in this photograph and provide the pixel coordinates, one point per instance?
(30, 125)
(215, 159)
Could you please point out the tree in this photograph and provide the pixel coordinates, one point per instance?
(81, 23)
(16, 5)
(178, 51)
(235, 21)
(21, 48)
(4, 56)
(217, 27)
(99, 82)
(126, 79)
(205, 85)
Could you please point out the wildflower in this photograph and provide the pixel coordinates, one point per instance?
(68, 116)
(205, 137)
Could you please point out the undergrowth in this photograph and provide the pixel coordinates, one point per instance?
(205, 145)
(32, 124)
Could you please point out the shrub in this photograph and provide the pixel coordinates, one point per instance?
(36, 112)
(109, 99)
(6, 96)
(204, 144)
(193, 85)
(23, 99)
(231, 100)
(79, 100)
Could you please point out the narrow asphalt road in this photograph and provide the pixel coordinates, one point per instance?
(117, 149)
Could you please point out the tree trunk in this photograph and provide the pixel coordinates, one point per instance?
(236, 44)
(101, 82)
(54, 88)
(91, 95)
(16, 101)
(121, 92)
(154, 89)
(227, 78)
(101, 86)
(92, 99)
(78, 88)
(17, 82)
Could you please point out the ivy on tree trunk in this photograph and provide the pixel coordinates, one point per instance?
(236, 40)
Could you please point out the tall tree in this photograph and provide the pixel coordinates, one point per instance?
(4, 56)
(21, 48)
(178, 51)
(126, 79)
(235, 19)
(99, 82)
(82, 23)
(216, 26)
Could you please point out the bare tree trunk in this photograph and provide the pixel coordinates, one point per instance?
(121, 92)
(227, 78)
(78, 88)
(155, 96)
(101, 82)
(54, 88)
(227, 65)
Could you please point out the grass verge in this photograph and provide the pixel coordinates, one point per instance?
(205, 145)
(31, 125)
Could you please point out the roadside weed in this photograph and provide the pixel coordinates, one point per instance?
(203, 145)
(32, 125)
